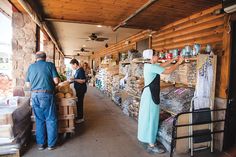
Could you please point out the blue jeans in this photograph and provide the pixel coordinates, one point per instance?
(45, 115)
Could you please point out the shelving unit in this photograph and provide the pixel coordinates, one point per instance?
(168, 111)
(125, 62)
(138, 97)
(182, 146)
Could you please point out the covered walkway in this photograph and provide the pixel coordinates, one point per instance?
(107, 132)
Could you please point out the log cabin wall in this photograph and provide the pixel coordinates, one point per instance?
(202, 28)
(121, 46)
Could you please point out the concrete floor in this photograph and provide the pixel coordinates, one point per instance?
(106, 132)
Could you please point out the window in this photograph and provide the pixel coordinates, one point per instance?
(41, 40)
(143, 45)
(5, 45)
(5, 55)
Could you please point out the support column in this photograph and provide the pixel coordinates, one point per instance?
(48, 47)
(23, 47)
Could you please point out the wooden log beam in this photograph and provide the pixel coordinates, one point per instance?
(71, 21)
(39, 21)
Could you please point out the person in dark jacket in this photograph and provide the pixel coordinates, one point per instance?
(80, 88)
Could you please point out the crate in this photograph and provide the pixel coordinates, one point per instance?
(67, 111)
(67, 106)
(66, 124)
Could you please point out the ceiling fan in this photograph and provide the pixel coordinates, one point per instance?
(82, 50)
(94, 37)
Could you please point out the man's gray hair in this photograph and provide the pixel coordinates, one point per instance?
(40, 54)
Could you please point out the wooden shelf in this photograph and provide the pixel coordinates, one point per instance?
(185, 59)
(159, 61)
(125, 62)
(138, 97)
(141, 61)
(168, 111)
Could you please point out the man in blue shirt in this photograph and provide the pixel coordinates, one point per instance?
(43, 78)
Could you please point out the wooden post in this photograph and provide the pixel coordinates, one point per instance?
(54, 51)
(37, 38)
(225, 60)
(150, 42)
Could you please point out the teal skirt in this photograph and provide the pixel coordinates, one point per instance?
(148, 119)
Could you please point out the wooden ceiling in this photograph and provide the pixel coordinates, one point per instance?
(104, 12)
(164, 12)
(112, 12)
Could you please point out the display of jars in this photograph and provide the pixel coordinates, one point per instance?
(196, 49)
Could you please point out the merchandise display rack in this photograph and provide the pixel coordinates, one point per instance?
(179, 126)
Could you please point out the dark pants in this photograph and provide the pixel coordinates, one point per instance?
(80, 105)
(46, 119)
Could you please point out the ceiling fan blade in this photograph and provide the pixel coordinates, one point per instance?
(89, 40)
(101, 39)
(83, 38)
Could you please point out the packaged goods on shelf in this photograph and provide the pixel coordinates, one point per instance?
(185, 74)
(108, 78)
(125, 69)
(176, 99)
(104, 79)
(100, 79)
(132, 54)
(137, 69)
(108, 82)
(123, 56)
(116, 97)
(134, 108)
(130, 107)
(116, 82)
(134, 85)
(115, 89)
(165, 132)
(125, 105)
(173, 77)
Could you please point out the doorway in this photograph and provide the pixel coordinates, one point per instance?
(230, 124)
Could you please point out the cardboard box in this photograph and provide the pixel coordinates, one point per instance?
(6, 119)
(6, 131)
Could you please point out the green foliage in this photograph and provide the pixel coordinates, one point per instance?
(62, 77)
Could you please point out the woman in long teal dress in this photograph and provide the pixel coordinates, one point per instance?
(149, 111)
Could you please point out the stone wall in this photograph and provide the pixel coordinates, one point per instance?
(23, 46)
(48, 48)
(62, 66)
(57, 55)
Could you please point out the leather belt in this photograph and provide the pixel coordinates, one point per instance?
(43, 91)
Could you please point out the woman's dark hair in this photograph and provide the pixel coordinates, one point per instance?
(155, 53)
(74, 61)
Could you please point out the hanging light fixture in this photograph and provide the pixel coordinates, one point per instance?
(106, 45)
